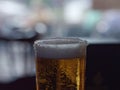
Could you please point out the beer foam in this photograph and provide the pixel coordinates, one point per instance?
(60, 48)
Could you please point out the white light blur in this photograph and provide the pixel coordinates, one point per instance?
(74, 10)
(102, 27)
(41, 28)
(12, 8)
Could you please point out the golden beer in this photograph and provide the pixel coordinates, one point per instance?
(60, 64)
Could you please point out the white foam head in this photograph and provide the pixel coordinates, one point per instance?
(60, 48)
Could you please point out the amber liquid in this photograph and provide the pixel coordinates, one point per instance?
(60, 74)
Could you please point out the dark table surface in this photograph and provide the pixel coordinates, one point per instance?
(103, 64)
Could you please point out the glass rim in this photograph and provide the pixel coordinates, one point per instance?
(60, 40)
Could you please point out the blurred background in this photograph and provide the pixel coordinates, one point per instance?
(24, 21)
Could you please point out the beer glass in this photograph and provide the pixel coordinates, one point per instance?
(60, 64)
